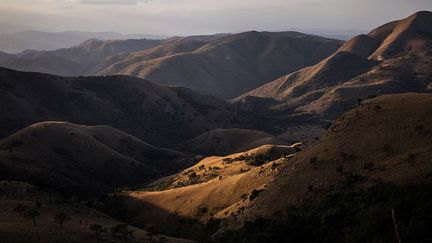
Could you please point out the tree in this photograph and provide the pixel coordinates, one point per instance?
(151, 231)
(31, 213)
(20, 209)
(122, 231)
(61, 218)
(97, 229)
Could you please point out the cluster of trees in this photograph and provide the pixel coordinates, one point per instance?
(32, 213)
(120, 231)
(253, 159)
(383, 213)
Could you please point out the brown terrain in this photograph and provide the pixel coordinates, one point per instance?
(228, 141)
(82, 59)
(384, 150)
(393, 58)
(83, 160)
(385, 140)
(339, 151)
(230, 65)
(156, 114)
(210, 188)
(222, 65)
(15, 228)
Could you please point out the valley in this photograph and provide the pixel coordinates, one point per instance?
(248, 137)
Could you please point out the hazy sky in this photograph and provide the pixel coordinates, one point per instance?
(182, 17)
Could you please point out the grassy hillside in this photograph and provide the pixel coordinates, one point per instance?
(82, 160)
(228, 141)
(157, 114)
(17, 199)
(82, 59)
(373, 160)
(210, 189)
(229, 65)
(393, 58)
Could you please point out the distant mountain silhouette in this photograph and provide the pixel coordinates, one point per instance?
(40, 40)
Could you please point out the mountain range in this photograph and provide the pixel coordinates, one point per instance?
(225, 65)
(249, 137)
(47, 41)
(393, 58)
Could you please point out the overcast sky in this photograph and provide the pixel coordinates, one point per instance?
(185, 17)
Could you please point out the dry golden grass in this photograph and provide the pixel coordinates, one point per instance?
(385, 140)
(210, 192)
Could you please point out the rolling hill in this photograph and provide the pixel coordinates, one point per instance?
(83, 160)
(206, 190)
(393, 58)
(224, 65)
(16, 228)
(228, 141)
(156, 114)
(372, 160)
(232, 64)
(48, 41)
(81, 59)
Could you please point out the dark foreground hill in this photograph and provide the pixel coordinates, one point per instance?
(83, 160)
(83, 223)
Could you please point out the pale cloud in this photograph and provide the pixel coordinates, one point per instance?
(127, 2)
(181, 17)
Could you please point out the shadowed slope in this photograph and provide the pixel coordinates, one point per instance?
(81, 160)
(211, 188)
(14, 228)
(82, 59)
(228, 141)
(229, 65)
(385, 140)
(157, 114)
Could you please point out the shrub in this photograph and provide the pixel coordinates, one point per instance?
(20, 209)
(61, 218)
(313, 160)
(192, 175)
(122, 231)
(419, 129)
(368, 166)
(339, 169)
(97, 229)
(31, 213)
(361, 215)
(254, 194)
(202, 211)
(387, 149)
